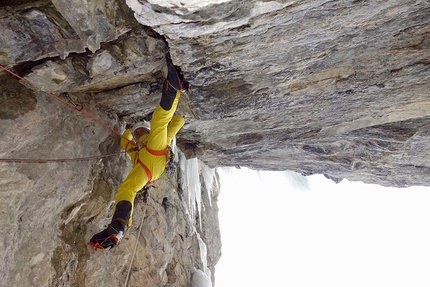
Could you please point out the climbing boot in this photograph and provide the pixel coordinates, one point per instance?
(108, 238)
(112, 235)
(175, 77)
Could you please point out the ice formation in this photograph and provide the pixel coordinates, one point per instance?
(200, 279)
(190, 177)
(191, 170)
(208, 179)
(191, 183)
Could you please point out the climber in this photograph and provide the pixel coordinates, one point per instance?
(149, 158)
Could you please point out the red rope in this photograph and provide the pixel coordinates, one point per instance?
(78, 108)
(24, 160)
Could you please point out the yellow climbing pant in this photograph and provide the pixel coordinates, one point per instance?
(164, 126)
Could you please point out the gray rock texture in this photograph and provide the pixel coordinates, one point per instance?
(338, 88)
(332, 87)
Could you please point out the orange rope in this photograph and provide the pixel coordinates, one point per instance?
(78, 108)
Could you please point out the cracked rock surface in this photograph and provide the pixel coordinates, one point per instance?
(339, 88)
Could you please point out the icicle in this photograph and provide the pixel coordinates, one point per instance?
(191, 183)
(296, 180)
(208, 179)
(200, 279)
(203, 254)
(190, 177)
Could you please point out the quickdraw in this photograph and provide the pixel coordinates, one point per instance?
(171, 165)
(78, 107)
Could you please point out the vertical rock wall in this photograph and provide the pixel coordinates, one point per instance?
(50, 210)
(332, 87)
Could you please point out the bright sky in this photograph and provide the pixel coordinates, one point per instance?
(279, 230)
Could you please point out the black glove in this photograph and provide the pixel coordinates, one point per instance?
(128, 126)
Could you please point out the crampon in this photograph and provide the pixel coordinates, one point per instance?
(175, 77)
(108, 238)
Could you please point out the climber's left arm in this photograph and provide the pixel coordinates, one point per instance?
(126, 140)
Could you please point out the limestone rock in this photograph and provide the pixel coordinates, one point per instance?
(332, 87)
(45, 29)
(50, 210)
(337, 88)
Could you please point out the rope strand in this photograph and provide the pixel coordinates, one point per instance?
(79, 108)
(137, 241)
(27, 160)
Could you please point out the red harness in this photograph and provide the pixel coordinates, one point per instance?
(156, 153)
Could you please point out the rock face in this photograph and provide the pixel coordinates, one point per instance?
(332, 87)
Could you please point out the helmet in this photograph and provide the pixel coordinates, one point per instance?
(138, 125)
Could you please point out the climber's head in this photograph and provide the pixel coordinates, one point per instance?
(141, 128)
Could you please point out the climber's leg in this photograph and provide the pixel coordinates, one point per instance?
(157, 139)
(135, 181)
(175, 77)
(164, 112)
(112, 235)
(122, 217)
(174, 126)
